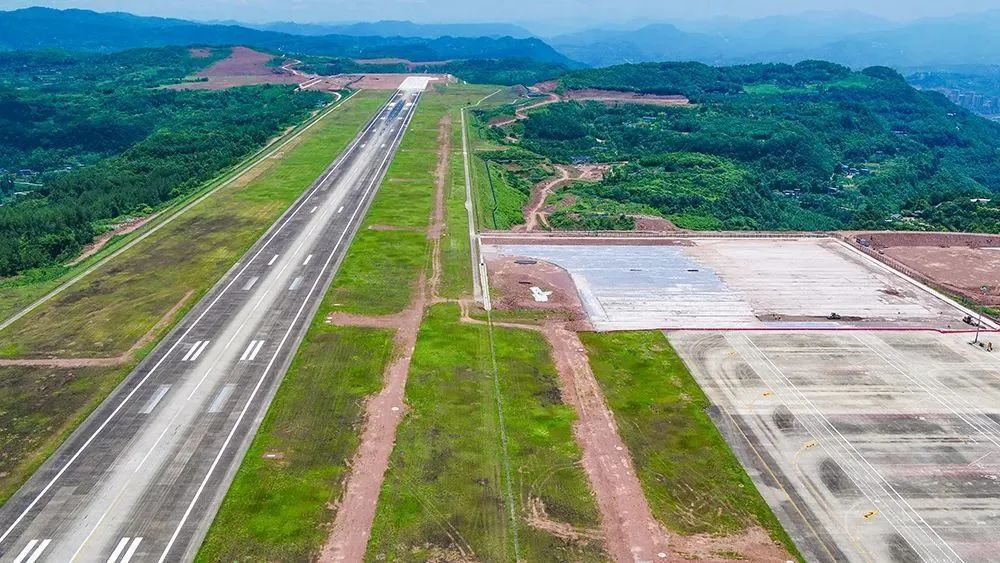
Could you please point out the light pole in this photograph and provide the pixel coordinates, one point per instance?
(979, 324)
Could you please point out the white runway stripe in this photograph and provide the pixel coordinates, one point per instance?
(250, 282)
(155, 399)
(24, 552)
(118, 550)
(131, 550)
(35, 552)
(314, 209)
(195, 351)
(251, 352)
(191, 351)
(272, 260)
(256, 350)
(295, 284)
(222, 397)
(341, 209)
(308, 258)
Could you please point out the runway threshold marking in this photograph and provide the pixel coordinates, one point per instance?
(134, 545)
(195, 351)
(272, 260)
(155, 399)
(35, 552)
(252, 350)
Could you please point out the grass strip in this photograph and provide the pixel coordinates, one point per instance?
(384, 262)
(39, 406)
(693, 481)
(444, 495)
(278, 507)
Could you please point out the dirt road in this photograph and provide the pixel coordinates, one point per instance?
(348, 539)
(522, 112)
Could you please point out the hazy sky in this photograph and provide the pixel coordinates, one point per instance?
(563, 11)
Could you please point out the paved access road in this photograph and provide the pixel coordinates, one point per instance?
(142, 478)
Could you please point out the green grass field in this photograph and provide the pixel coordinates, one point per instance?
(39, 406)
(278, 509)
(106, 312)
(382, 266)
(445, 489)
(456, 263)
(500, 205)
(693, 481)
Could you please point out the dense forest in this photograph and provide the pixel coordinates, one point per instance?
(91, 138)
(773, 146)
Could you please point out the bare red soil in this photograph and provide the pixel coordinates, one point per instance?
(522, 112)
(536, 212)
(958, 263)
(611, 96)
(512, 279)
(120, 229)
(243, 67)
(616, 96)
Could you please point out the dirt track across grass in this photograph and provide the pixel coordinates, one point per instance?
(348, 539)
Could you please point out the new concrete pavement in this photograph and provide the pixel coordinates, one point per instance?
(142, 478)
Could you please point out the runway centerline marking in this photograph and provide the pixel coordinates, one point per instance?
(222, 449)
(155, 399)
(221, 398)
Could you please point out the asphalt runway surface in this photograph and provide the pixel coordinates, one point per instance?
(142, 478)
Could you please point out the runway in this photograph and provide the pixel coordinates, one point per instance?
(141, 479)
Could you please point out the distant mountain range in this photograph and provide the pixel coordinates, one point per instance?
(394, 28)
(84, 30)
(849, 38)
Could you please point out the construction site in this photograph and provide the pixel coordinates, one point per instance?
(861, 400)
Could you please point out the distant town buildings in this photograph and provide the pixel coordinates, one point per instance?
(974, 102)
